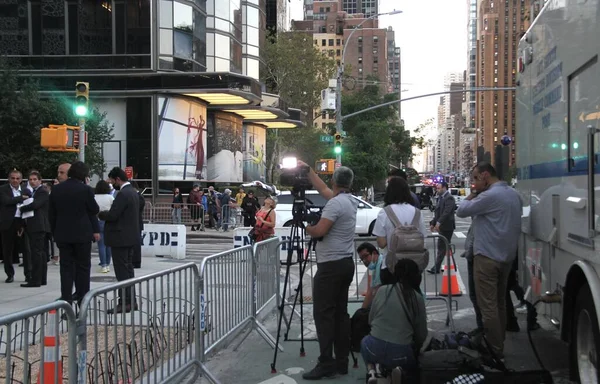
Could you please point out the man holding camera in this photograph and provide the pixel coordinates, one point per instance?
(335, 270)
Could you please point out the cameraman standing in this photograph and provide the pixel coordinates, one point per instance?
(335, 270)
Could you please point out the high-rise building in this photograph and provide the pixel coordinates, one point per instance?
(471, 79)
(366, 51)
(367, 7)
(500, 26)
(394, 64)
(178, 79)
(278, 15)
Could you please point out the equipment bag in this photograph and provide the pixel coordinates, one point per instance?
(360, 328)
(406, 242)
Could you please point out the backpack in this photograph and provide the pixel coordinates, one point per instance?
(359, 324)
(406, 242)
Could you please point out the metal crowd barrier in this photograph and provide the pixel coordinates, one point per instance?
(158, 339)
(163, 213)
(359, 286)
(25, 352)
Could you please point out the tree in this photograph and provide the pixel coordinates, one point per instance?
(22, 115)
(296, 70)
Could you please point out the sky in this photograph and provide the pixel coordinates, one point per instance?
(432, 35)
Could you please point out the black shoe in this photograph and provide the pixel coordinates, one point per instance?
(342, 369)
(137, 266)
(193, 229)
(21, 265)
(120, 308)
(319, 372)
(9, 279)
(513, 326)
(30, 285)
(433, 271)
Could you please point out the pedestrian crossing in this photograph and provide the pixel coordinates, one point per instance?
(193, 250)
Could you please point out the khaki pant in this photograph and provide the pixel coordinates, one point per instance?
(491, 278)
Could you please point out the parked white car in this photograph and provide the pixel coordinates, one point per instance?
(365, 216)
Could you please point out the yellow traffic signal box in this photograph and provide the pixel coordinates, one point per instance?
(60, 138)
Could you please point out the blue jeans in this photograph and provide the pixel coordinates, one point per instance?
(388, 355)
(104, 251)
(224, 221)
(176, 215)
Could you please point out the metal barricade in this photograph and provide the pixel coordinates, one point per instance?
(226, 293)
(155, 337)
(31, 342)
(231, 214)
(191, 214)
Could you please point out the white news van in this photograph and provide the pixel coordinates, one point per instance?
(558, 147)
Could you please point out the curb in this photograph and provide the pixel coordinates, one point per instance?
(208, 236)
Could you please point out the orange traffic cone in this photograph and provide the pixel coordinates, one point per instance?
(454, 288)
(51, 357)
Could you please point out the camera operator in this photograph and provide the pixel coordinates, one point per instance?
(335, 270)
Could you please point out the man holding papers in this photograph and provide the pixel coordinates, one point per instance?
(35, 213)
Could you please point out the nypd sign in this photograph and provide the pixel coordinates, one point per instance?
(164, 240)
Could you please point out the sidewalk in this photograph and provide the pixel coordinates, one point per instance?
(208, 233)
(14, 298)
(254, 357)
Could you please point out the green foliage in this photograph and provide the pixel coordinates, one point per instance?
(22, 115)
(376, 139)
(296, 70)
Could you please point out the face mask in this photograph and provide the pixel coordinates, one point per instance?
(372, 266)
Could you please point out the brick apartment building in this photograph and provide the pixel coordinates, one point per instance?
(500, 26)
(366, 53)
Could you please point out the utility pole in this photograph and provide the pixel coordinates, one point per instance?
(82, 139)
(82, 100)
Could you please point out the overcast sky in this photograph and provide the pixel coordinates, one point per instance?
(433, 37)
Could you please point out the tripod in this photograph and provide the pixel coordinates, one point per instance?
(296, 242)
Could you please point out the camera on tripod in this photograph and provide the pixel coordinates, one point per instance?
(293, 175)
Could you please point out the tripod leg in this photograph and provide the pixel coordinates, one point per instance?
(281, 309)
(302, 270)
(293, 234)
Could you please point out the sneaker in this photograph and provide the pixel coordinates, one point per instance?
(319, 372)
(105, 269)
(521, 308)
(372, 377)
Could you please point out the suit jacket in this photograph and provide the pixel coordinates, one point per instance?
(444, 213)
(122, 227)
(39, 222)
(142, 206)
(73, 212)
(8, 206)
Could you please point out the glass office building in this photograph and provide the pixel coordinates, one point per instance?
(179, 79)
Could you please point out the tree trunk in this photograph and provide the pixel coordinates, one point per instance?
(272, 161)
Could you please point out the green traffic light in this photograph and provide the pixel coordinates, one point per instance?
(554, 145)
(81, 110)
(337, 150)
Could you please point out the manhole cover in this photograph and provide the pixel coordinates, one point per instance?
(102, 279)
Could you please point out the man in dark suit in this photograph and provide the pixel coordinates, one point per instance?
(73, 219)
(36, 228)
(122, 234)
(443, 223)
(11, 223)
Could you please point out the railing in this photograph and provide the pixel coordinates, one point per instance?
(190, 214)
(25, 355)
(175, 318)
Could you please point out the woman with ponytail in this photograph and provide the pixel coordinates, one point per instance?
(398, 323)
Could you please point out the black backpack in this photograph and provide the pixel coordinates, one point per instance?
(359, 328)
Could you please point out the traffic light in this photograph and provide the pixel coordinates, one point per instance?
(337, 143)
(82, 98)
(60, 138)
(325, 166)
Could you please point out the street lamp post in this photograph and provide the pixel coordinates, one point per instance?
(340, 74)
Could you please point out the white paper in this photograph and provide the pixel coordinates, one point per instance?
(28, 214)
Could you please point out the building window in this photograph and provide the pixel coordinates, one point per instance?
(323, 43)
(337, 42)
(331, 42)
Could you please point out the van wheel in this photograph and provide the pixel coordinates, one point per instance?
(371, 228)
(585, 339)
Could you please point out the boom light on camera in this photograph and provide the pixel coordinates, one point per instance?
(303, 211)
